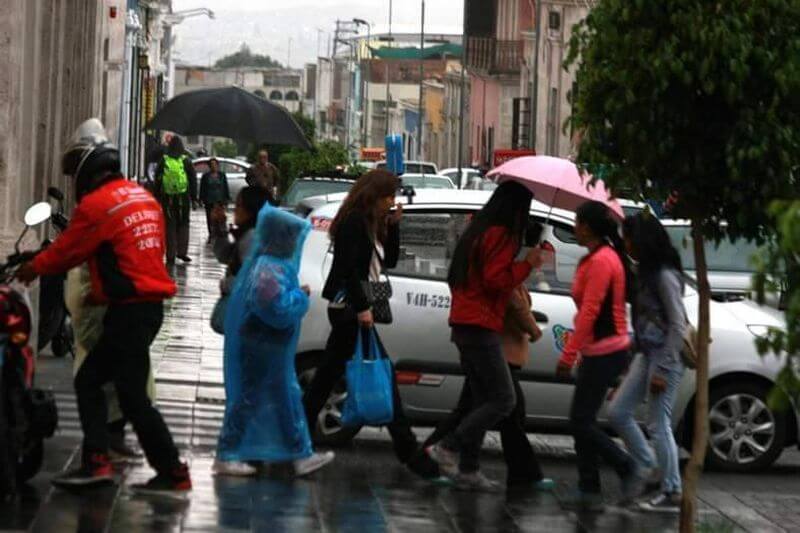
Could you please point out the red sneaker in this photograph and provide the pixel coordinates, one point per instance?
(176, 483)
(96, 470)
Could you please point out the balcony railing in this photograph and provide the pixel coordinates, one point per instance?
(493, 56)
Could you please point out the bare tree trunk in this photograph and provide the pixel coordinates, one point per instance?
(700, 430)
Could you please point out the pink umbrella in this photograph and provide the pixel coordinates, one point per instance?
(555, 182)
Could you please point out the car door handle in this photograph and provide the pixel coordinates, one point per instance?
(540, 317)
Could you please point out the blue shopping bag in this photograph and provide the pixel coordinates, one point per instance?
(369, 376)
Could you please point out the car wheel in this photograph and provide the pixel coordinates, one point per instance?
(745, 435)
(329, 430)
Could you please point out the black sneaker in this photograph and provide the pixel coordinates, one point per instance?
(185, 258)
(95, 471)
(663, 503)
(176, 484)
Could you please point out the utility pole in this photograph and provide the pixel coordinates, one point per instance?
(464, 44)
(388, 73)
(535, 91)
(365, 81)
(421, 78)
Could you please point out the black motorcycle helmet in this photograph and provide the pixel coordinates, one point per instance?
(89, 156)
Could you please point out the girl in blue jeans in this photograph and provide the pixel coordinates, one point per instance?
(659, 322)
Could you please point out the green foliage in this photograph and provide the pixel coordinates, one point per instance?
(326, 157)
(694, 97)
(778, 270)
(224, 148)
(246, 58)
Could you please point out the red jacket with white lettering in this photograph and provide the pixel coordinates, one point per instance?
(119, 229)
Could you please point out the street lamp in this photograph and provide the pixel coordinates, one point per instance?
(365, 91)
(170, 20)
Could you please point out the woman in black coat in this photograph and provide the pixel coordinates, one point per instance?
(366, 237)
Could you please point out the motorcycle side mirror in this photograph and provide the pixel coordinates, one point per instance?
(38, 213)
(55, 193)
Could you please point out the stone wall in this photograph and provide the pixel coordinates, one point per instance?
(62, 63)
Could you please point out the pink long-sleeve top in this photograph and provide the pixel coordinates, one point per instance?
(601, 326)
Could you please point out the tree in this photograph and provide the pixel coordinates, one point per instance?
(224, 148)
(699, 98)
(778, 271)
(246, 58)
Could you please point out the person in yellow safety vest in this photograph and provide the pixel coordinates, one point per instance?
(176, 188)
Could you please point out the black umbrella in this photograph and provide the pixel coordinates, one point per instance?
(229, 112)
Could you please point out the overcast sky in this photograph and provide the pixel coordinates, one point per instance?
(267, 25)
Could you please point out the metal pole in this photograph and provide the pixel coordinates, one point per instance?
(464, 43)
(421, 77)
(388, 74)
(365, 109)
(535, 92)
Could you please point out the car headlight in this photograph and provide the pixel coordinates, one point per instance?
(758, 330)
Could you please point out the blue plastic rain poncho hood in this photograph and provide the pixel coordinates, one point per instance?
(264, 416)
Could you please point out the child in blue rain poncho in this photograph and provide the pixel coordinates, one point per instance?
(264, 416)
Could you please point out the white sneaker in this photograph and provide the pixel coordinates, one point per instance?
(476, 481)
(304, 467)
(446, 459)
(233, 468)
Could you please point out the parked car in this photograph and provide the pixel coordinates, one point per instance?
(309, 186)
(467, 175)
(730, 271)
(746, 434)
(414, 167)
(427, 181)
(234, 169)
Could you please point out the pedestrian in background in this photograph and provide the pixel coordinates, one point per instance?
(214, 192)
(176, 187)
(659, 324)
(87, 326)
(365, 235)
(601, 339)
(264, 174)
(522, 467)
(483, 276)
(264, 418)
(233, 252)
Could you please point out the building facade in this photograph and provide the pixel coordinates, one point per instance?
(498, 63)
(62, 63)
(555, 84)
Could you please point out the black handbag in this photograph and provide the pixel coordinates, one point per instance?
(378, 294)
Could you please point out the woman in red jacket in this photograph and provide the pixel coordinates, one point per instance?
(483, 274)
(602, 341)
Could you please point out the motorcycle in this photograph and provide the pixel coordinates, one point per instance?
(27, 415)
(55, 327)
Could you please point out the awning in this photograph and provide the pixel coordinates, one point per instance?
(413, 52)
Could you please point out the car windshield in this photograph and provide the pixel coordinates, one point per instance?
(428, 182)
(726, 256)
(302, 189)
(414, 168)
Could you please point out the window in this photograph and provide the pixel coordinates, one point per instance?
(427, 243)
(554, 20)
(726, 256)
(232, 168)
(259, 92)
(275, 95)
(292, 96)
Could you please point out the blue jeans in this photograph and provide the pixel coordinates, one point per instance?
(633, 391)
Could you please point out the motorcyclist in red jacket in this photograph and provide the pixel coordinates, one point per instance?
(117, 227)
